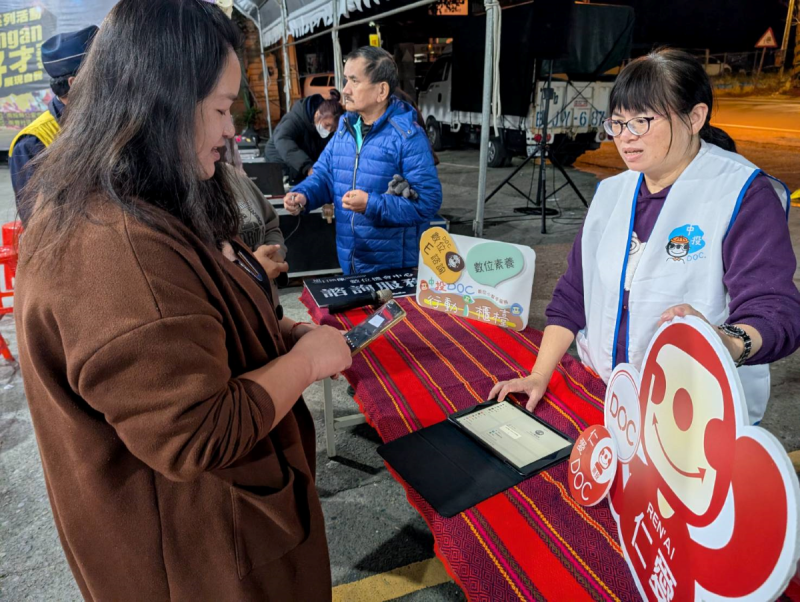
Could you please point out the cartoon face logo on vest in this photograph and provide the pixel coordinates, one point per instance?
(685, 244)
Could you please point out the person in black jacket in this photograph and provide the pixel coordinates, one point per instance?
(302, 134)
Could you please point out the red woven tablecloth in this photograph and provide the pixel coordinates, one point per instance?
(534, 541)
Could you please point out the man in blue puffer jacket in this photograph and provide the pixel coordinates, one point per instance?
(377, 138)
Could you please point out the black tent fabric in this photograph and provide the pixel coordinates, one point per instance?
(529, 32)
(600, 38)
(583, 40)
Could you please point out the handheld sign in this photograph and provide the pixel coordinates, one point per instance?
(592, 465)
(706, 504)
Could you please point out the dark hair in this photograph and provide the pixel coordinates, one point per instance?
(60, 85)
(129, 128)
(380, 65)
(669, 82)
(332, 106)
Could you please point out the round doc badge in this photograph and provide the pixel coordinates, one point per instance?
(592, 465)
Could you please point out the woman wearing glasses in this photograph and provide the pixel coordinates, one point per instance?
(163, 381)
(692, 228)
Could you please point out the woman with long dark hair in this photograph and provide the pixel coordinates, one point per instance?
(164, 384)
(692, 228)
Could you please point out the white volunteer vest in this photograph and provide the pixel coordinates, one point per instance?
(681, 263)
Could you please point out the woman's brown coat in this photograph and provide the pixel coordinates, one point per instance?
(166, 474)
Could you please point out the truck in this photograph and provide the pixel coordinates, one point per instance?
(580, 81)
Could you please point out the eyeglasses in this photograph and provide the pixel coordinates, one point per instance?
(638, 126)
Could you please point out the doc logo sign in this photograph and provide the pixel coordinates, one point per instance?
(622, 414)
(592, 465)
(705, 503)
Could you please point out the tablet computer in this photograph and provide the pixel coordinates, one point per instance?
(525, 442)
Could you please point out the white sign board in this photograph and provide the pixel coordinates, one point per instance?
(480, 279)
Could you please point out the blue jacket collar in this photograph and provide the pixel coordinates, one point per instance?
(398, 111)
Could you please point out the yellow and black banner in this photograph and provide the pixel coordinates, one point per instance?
(24, 26)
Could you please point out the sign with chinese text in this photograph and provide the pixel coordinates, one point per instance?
(24, 26)
(592, 465)
(474, 278)
(706, 504)
(402, 283)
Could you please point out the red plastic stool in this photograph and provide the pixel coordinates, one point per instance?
(8, 259)
(11, 233)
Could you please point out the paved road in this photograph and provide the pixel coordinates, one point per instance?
(766, 131)
(775, 119)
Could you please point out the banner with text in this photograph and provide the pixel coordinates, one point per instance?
(474, 278)
(336, 289)
(24, 26)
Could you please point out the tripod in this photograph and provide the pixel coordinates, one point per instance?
(544, 152)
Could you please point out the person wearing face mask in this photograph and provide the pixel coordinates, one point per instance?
(692, 228)
(301, 135)
(164, 383)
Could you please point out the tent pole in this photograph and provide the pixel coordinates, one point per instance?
(265, 70)
(287, 82)
(488, 62)
(337, 49)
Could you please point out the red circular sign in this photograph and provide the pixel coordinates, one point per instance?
(592, 465)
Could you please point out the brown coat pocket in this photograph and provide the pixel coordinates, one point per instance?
(266, 527)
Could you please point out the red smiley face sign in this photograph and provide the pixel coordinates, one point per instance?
(706, 505)
(592, 465)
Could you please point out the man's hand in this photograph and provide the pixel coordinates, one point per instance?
(355, 200)
(327, 212)
(294, 203)
(271, 259)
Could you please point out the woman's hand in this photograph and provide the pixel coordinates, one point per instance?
(325, 350)
(534, 386)
(734, 345)
(300, 329)
(271, 259)
(680, 311)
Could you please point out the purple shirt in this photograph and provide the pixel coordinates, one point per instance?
(759, 266)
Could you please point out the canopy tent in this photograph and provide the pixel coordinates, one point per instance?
(277, 19)
(302, 16)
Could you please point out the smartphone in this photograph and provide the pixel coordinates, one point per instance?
(386, 316)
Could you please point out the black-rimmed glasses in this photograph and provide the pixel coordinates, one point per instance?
(638, 126)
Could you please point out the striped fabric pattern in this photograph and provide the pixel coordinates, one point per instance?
(532, 542)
